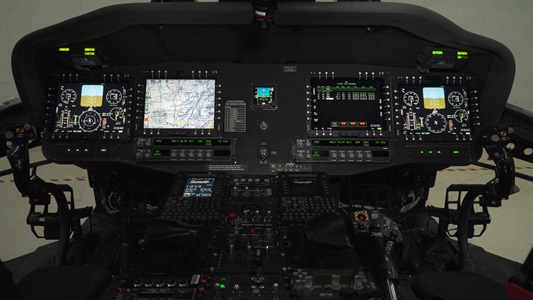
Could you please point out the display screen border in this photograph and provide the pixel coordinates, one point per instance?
(386, 130)
(141, 92)
(88, 79)
(437, 80)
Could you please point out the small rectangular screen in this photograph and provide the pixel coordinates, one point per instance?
(346, 104)
(90, 107)
(199, 187)
(304, 187)
(263, 95)
(180, 104)
(442, 110)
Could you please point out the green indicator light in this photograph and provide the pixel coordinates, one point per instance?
(437, 52)
(64, 49)
(462, 57)
(439, 152)
(430, 151)
(90, 49)
(77, 150)
(69, 150)
(456, 152)
(222, 286)
(223, 278)
(103, 150)
(463, 53)
(86, 150)
(421, 151)
(88, 53)
(385, 148)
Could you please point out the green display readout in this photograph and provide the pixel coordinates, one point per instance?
(351, 143)
(161, 153)
(317, 153)
(192, 142)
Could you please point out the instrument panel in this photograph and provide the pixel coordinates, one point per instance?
(262, 118)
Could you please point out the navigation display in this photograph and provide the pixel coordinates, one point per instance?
(90, 107)
(199, 187)
(437, 110)
(346, 104)
(180, 104)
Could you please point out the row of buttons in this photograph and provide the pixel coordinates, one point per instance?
(176, 154)
(336, 155)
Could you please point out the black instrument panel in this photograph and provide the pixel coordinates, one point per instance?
(262, 118)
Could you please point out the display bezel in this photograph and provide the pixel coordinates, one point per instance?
(449, 84)
(190, 132)
(352, 131)
(124, 81)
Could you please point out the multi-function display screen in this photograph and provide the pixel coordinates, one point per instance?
(180, 104)
(435, 109)
(346, 104)
(304, 187)
(199, 187)
(90, 107)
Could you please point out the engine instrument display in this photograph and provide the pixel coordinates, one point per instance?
(435, 110)
(346, 104)
(90, 108)
(180, 104)
(199, 187)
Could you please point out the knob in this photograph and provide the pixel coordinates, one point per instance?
(139, 155)
(140, 143)
(174, 154)
(263, 152)
(335, 282)
(217, 291)
(275, 288)
(494, 138)
(299, 143)
(182, 155)
(148, 143)
(209, 154)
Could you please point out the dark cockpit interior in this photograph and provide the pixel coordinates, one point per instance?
(255, 151)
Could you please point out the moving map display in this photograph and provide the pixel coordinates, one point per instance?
(179, 104)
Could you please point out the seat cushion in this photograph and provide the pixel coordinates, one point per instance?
(68, 282)
(457, 286)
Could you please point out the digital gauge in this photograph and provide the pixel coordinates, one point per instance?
(90, 108)
(114, 96)
(434, 110)
(68, 96)
(436, 122)
(411, 98)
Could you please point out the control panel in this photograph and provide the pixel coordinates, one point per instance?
(316, 118)
(267, 241)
